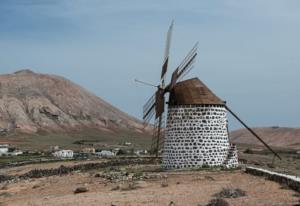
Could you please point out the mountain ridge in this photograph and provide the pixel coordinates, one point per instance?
(274, 136)
(32, 102)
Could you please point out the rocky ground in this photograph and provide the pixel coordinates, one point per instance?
(146, 185)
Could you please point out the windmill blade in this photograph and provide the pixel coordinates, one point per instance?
(186, 65)
(149, 116)
(159, 108)
(173, 79)
(252, 132)
(189, 65)
(188, 61)
(159, 102)
(185, 72)
(148, 107)
(149, 104)
(167, 51)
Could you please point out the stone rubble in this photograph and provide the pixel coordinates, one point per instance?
(117, 176)
(80, 190)
(230, 193)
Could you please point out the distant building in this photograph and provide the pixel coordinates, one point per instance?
(141, 152)
(63, 154)
(3, 149)
(16, 153)
(128, 143)
(3, 131)
(54, 148)
(116, 150)
(89, 150)
(105, 153)
(80, 155)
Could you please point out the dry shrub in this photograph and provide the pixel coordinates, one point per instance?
(230, 193)
(218, 202)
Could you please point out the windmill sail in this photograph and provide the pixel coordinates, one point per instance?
(149, 115)
(156, 104)
(188, 61)
(159, 103)
(167, 51)
(149, 109)
(159, 95)
(174, 78)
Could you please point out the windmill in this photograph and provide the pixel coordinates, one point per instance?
(196, 133)
(155, 106)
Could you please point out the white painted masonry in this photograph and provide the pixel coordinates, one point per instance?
(196, 135)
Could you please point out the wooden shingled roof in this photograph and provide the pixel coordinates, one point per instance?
(193, 91)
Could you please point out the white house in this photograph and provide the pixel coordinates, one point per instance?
(63, 154)
(140, 152)
(105, 153)
(3, 149)
(128, 143)
(16, 153)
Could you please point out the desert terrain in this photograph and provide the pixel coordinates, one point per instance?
(143, 185)
(40, 111)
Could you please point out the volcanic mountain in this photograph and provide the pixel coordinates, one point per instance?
(32, 102)
(274, 136)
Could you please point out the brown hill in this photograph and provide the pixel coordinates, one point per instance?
(31, 102)
(274, 136)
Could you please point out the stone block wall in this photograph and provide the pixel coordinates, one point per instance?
(232, 157)
(196, 135)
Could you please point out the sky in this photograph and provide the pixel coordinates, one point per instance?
(248, 51)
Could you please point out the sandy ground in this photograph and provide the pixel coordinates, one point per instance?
(183, 188)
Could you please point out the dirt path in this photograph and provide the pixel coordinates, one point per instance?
(183, 188)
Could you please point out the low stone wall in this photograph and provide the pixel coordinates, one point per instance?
(63, 170)
(291, 181)
(4, 178)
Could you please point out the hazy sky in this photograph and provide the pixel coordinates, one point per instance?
(249, 51)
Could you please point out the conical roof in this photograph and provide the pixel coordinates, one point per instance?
(193, 91)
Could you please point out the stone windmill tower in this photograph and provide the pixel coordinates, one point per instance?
(196, 132)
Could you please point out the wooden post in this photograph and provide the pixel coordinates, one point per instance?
(252, 132)
(158, 135)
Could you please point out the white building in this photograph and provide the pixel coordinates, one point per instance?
(128, 143)
(16, 153)
(105, 153)
(63, 154)
(3, 149)
(141, 152)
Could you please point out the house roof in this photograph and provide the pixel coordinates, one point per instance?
(193, 91)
